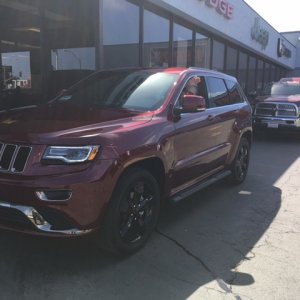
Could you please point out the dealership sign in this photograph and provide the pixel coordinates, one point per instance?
(223, 7)
(259, 34)
(282, 50)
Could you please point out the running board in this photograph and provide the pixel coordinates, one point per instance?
(196, 188)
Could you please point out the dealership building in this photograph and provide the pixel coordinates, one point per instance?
(48, 45)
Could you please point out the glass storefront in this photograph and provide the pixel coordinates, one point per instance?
(231, 61)
(251, 82)
(120, 34)
(156, 40)
(47, 46)
(21, 72)
(69, 46)
(202, 51)
(242, 69)
(218, 56)
(182, 46)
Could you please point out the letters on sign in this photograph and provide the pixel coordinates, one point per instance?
(260, 34)
(222, 7)
(282, 49)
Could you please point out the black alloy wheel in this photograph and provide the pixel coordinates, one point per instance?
(241, 162)
(133, 213)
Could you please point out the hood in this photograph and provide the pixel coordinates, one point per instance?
(64, 123)
(289, 99)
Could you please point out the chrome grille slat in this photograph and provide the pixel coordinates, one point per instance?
(13, 158)
(276, 110)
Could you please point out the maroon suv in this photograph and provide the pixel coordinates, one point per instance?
(104, 155)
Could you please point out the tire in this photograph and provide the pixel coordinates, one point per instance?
(132, 214)
(239, 167)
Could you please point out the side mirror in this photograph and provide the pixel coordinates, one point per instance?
(191, 104)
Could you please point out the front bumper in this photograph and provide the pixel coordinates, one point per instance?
(22, 210)
(275, 122)
(28, 219)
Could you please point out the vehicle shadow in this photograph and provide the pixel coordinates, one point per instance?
(201, 239)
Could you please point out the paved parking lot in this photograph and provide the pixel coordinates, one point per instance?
(225, 242)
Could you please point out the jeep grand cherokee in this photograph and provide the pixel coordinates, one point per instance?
(102, 156)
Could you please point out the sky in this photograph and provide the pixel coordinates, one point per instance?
(282, 15)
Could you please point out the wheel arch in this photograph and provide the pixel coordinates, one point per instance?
(154, 166)
(248, 135)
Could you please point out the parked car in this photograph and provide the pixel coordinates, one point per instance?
(282, 109)
(103, 156)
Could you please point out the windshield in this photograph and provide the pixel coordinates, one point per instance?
(138, 90)
(285, 89)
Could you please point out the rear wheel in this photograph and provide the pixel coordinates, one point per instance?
(133, 212)
(240, 164)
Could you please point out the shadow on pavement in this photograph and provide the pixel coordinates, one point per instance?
(202, 239)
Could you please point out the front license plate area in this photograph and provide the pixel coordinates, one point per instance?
(272, 125)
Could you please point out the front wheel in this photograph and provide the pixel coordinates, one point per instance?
(240, 164)
(133, 212)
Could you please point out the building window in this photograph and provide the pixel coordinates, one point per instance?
(251, 75)
(20, 56)
(72, 46)
(182, 47)
(156, 40)
(231, 61)
(202, 51)
(267, 73)
(218, 56)
(242, 71)
(260, 75)
(120, 34)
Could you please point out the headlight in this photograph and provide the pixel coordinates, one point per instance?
(69, 155)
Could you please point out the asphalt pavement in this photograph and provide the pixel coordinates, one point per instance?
(225, 242)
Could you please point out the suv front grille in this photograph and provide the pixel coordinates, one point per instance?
(276, 110)
(13, 158)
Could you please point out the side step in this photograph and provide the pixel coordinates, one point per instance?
(196, 188)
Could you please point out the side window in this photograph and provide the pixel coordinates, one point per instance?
(194, 86)
(217, 92)
(234, 92)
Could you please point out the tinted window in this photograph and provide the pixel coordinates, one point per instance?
(120, 34)
(182, 46)
(218, 56)
(202, 51)
(141, 90)
(260, 74)
(217, 92)
(242, 72)
(234, 94)
(231, 61)
(251, 74)
(156, 40)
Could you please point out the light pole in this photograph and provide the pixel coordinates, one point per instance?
(74, 55)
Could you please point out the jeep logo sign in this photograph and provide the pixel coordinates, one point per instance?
(260, 34)
(223, 7)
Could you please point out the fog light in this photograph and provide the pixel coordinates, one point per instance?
(54, 195)
(38, 219)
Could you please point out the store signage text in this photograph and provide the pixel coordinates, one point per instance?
(282, 50)
(259, 34)
(223, 7)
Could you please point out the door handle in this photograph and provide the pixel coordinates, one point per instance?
(210, 117)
